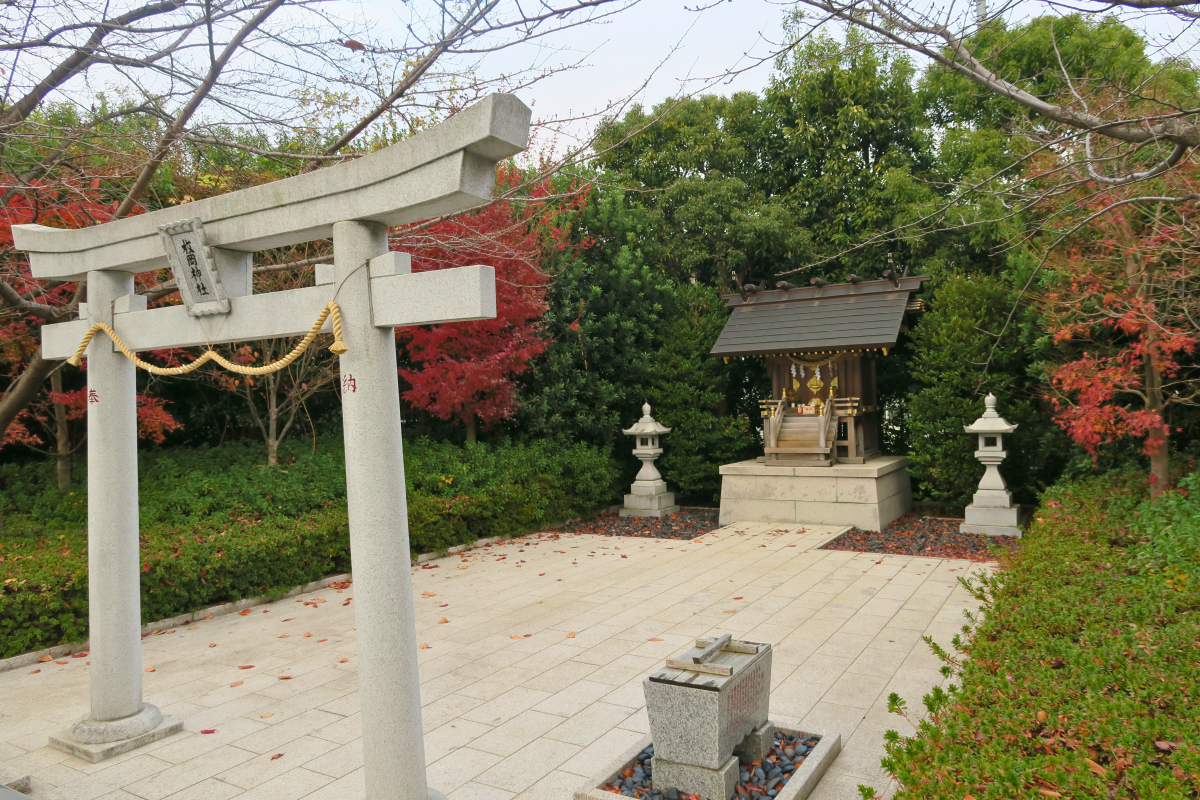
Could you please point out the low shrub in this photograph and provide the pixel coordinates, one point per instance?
(1083, 677)
(218, 527)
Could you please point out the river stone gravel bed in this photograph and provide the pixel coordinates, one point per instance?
(760, 779)
(686, 524)
(918, 535)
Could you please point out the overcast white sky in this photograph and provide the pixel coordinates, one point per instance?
(659, 37)
(681, 46)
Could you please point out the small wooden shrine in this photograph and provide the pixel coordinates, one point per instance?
(820, 343)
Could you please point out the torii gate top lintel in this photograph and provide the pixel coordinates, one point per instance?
(447, 168)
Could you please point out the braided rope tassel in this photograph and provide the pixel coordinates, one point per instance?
(330, 310)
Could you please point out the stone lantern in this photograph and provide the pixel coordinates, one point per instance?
(648, 496)
(991, 510)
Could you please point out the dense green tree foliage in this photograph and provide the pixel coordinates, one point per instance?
(764, 185)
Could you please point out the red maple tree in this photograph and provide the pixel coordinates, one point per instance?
(466, 371)
(29, 303)
(1123, 302)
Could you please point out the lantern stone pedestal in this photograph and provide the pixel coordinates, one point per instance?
(648, 497)
(992, 511)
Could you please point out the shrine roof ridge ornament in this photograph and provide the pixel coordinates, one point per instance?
(906, 284)
(436, 171)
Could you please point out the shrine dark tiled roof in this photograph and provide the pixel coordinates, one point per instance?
(861, 316)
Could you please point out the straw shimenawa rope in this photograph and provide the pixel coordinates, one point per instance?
(330, 310)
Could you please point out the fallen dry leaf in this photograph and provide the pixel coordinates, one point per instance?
(348, 599)
(540, 574)
(1096, 768)
(730, 612)
(277, 755)
(423, 646)
(654, 640)
(289, 619)
(443, 621)
(209, 730)
(322, 640)
(514, 637)
(207, 616)
(307, 635)
(246, 666)
(244, 612)
(1042, 716)
(737, 598)
(268, 714)
(343, 660)
(284, 635)
(236, 684)
(148, 669)
(64, 662)
(34, 671)
(212, 644)
(1049, 793)
(194, 627)
(45, 658)
(571, 635)
(285, 677)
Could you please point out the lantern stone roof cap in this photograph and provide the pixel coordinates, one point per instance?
(991, 421)
(646, 425)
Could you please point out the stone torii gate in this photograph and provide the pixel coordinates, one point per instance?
(445, 169)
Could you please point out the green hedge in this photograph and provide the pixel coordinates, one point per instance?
(218, 527)
(1083, 677)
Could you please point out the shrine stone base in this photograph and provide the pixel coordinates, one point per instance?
(868, 496)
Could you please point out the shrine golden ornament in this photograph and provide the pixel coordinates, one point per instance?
(815, 384)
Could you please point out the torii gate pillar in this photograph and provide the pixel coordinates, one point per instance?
(384, 617)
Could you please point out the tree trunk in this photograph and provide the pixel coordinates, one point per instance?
(62, 438)
(471, 428)
(272, 423)
(22, 391)
(1157, 443)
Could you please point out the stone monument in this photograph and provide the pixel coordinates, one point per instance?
(446, 169)
(648, 496)
(708, 707)
(992, 510)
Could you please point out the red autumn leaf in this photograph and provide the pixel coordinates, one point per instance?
(209, 730)
(322, 640)
(654, 640)
(246, 666)
(443, 621)
(343, 660)
(277, 755)
(244, 612)
(34, 671)
(350, 44)
(737, 598)
(285, 677)
(235, 684)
